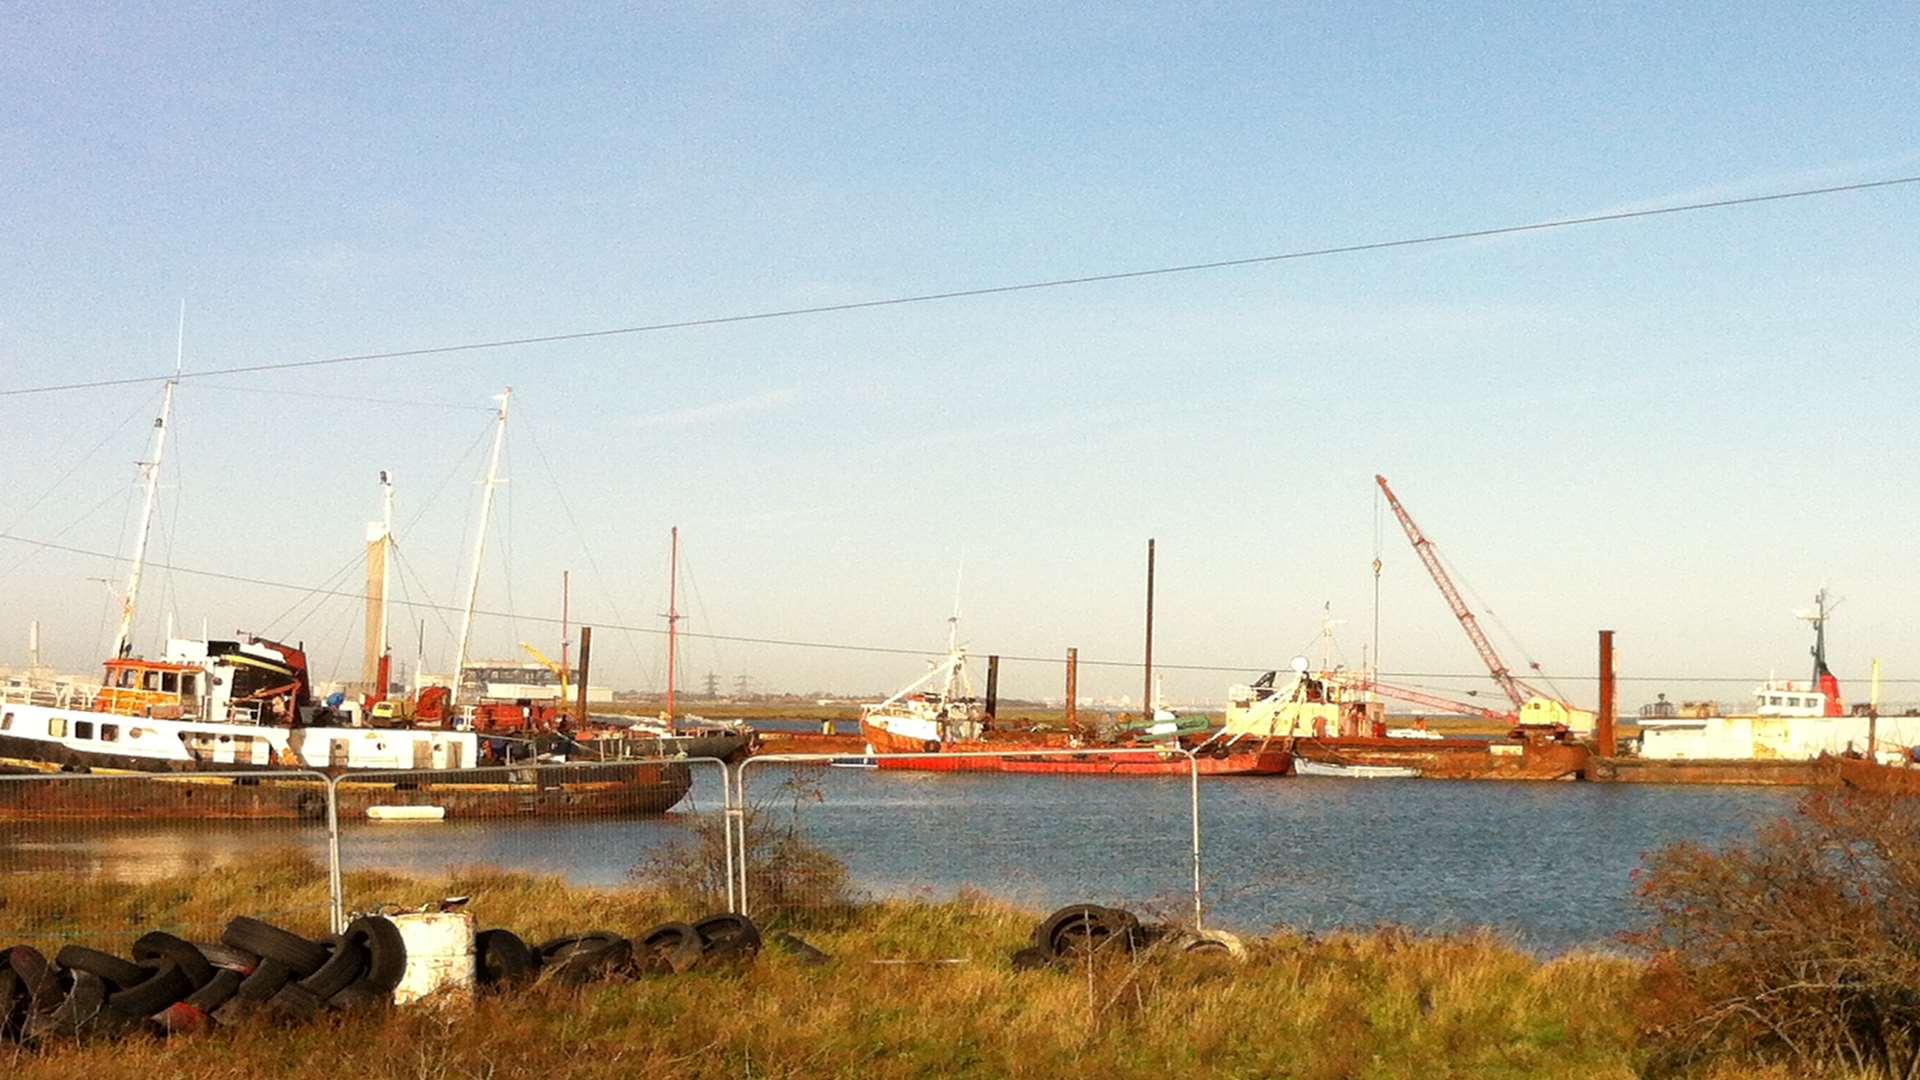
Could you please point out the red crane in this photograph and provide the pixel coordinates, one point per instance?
(1421, 697)
(1517, 691)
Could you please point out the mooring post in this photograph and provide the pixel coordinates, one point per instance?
(1073, 688)
(993, 686)
(1603, 737)
(586, 652)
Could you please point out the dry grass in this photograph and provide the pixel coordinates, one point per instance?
(1381, 1004)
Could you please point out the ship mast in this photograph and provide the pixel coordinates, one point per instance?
(150, 474)
(505, 398)
(673, 621)
(377, 666)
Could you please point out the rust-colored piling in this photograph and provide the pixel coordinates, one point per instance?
(993, 686)
(1603, 736)
(586, 654)
(1073, 687)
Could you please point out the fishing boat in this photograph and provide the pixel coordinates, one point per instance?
(246, 705)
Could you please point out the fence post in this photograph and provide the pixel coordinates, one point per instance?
(726, 800)
(337, 911)
(737, 816)
(1193, 776)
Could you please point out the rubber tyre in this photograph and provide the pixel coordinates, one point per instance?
(806, 953)
(85, 1000)
(674, 947)
(295, 1002)
(218, 991)
(159, 947)
(361, 995)
(727, 934)
(1030, 958)
(117, 972)
(266, 981)
(586, 960)
(37, 978)
(345, 967)
(167, 985)
(502, 958)
(553, 947)
(386, 952)
(13, 1005)
(1079, 929)
(226, 957)
(272, 943)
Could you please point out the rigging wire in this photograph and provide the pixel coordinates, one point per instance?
(317, 395)
(145, 404)
(988, 290)
(833, 646)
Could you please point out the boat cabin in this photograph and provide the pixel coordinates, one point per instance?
(154, 688)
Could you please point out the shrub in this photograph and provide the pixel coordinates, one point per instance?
(1801, 946)
(788, 873)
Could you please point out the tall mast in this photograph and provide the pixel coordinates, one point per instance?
(566, 596)
(376, 666)
(1146, 693)
(386, 559)
(673, 621)
(150, 473)
(505, 398)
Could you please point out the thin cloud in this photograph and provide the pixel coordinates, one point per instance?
(752, 404)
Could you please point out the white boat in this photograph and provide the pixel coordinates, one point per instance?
(1303, 767)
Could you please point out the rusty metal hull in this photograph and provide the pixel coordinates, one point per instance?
(1271, 761)
(1863, 775)
(1452, 759)
(610, 790)
(1823, 772)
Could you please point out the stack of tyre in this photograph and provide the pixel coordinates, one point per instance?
(169, 984)
(504, 959)
(1079, 931)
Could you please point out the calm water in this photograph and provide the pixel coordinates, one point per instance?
(1548, 863)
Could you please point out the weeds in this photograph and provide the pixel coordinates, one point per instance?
(789, 875)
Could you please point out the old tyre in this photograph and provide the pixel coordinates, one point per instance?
(348, 962)
(1030, 958)
(1082, 929)
(218, 991)
(165, 985)
(13, 1005)
(805, 952)
(727, 934)
(266, 981)
(38, 981)
(361, 995)
(119, 973)
(501, 958)
(586, 959)
(85, 1000)
(386, 953)
(160, 947)
(270, 942)
(295, 1002)
(227, 958)
(673, 947)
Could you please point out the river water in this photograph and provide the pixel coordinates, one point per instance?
(1548, 863)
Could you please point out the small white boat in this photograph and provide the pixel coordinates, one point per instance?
(1303, 767)
(406, 813)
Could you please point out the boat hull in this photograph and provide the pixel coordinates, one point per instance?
(612, 789)
(1452, 759)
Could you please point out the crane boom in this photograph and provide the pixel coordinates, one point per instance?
(1516, 691)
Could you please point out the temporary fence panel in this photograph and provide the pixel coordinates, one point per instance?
(409, 838)
(1029, 830)
(102, 858)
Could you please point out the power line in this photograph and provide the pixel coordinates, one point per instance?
(988, 290)
(838, 646)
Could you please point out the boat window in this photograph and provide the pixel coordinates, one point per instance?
(152, 681)
(6, 722)
(57, 727)
(83, 729)
(189, 684)
(109, 732)
(169, 682)
(126, 678)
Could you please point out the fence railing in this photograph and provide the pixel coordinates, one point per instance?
(80, 853)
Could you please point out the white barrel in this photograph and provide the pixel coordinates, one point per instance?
(439, 955)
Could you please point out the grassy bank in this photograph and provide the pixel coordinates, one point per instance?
(1383, 1004)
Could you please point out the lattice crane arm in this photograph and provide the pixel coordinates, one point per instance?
(1516, 691)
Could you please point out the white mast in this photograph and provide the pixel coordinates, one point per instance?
(958, 685)
(150, 473)
(386, 557)
(480, 543)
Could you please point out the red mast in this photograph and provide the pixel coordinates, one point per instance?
(673, 622)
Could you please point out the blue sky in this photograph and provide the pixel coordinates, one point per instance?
(1676, 427)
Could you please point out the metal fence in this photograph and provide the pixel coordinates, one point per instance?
(92, 857)
(815, 831)
(98, 858)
